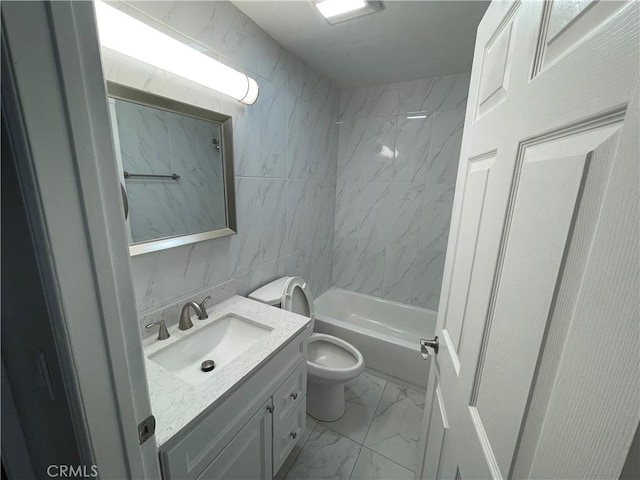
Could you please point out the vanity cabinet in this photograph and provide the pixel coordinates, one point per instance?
(251, 430)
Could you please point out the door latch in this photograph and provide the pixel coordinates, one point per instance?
(426, 344)
(146, 429)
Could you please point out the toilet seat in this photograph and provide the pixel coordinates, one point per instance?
(331, 358)
(296, 297)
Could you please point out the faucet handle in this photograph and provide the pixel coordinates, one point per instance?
(203, 308)
(163, 333)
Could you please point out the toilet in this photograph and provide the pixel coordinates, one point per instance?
(331, 362)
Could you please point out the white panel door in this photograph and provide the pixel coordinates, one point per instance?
(538, 371)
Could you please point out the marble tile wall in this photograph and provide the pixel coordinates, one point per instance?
(285, 157)
(397, 163)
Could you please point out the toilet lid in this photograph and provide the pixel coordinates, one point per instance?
(297, 298)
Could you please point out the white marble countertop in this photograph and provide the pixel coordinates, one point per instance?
(174, 402)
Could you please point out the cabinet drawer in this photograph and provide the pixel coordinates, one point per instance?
(290, 395)
(289, 432)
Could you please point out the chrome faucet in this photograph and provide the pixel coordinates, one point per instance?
(185, 320)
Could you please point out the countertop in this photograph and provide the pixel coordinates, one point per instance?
(175, 402)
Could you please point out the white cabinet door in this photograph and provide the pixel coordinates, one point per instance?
(537, 374)
(249, 455)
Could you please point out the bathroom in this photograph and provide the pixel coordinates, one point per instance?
(334, 193)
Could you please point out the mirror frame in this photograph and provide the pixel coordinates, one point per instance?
(123, 92)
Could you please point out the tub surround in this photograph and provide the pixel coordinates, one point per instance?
(399, 147)
(176, 403)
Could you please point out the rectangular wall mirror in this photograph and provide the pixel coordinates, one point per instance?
(176, 167)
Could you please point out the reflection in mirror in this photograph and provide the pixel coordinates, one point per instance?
(187, 193)
(174, 168)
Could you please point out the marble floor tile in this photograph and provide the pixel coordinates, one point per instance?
(396, 427)
(327, 454)
(372, 466)
(362, 395)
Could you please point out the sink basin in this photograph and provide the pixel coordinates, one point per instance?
(222, 341)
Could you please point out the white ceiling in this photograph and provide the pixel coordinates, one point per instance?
(405, 41)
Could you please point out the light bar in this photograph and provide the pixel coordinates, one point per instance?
(133, 38)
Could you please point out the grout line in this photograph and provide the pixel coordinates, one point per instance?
(374, 450)
(312, 430)
(362, 445)
(340, 433)
(386, 384)
(356, 462)
(392, 461)
(370, 422)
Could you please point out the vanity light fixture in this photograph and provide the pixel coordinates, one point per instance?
(335, 11)
(133, 38)
(416, 117)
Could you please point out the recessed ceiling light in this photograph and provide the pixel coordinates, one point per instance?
(332, 8)
(336, 11)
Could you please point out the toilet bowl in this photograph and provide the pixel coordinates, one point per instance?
(331, 362)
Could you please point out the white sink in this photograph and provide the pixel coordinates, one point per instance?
(222, 341)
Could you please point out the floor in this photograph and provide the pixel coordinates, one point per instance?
(377, 438)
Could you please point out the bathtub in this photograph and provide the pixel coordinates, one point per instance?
(387, 333)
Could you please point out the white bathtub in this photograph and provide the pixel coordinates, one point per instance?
(387, 333)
